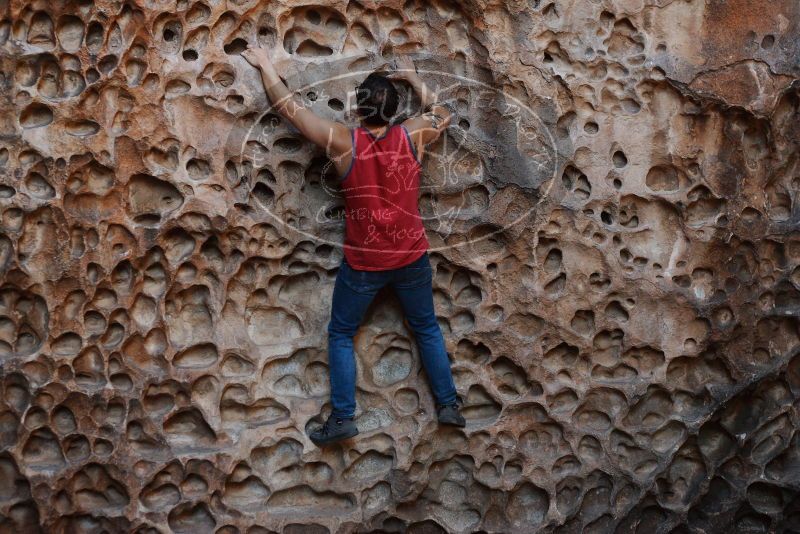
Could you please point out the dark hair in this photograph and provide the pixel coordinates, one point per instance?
(377, 100)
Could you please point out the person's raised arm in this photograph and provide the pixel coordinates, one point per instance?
(426, 128)
(334, 137)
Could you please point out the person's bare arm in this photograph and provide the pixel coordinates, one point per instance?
(334, 137)
(426, 128)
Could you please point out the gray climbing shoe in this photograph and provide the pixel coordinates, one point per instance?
(448, 414)
(333, 430)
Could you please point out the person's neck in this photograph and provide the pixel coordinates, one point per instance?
(377, 131)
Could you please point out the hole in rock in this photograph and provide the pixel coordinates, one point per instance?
(237, 46)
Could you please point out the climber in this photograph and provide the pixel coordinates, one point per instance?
(379, 165)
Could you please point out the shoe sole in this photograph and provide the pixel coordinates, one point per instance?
(338, 439)
(448, 423)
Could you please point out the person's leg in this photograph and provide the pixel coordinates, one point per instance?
(413, 286)
(352, 294)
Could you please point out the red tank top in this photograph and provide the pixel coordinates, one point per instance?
(383, 226)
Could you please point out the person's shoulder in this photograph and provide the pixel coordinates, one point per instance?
(416, 123)
(406, 122)
(405, 127)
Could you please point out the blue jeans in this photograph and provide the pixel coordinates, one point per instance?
(352, 294)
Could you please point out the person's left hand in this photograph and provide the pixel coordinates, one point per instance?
(257, 56)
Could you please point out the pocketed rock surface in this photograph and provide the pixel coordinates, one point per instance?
(613, 215)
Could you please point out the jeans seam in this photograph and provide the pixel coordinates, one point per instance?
(415, 286)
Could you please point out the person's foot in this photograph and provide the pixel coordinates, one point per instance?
(448, 414)
(334, 429)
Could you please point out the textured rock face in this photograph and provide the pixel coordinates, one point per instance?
(614, 223)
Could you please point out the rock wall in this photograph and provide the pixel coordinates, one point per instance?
(614, 225)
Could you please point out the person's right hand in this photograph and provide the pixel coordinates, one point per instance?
(257, 57)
